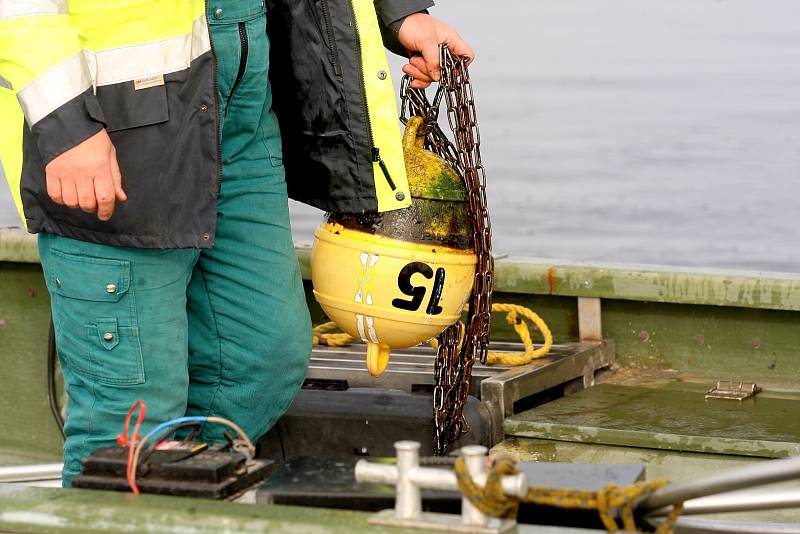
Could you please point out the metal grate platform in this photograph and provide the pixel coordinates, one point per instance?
(571, 365)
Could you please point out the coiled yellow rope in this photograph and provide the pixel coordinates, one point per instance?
(610, 501)
(336, 339)
(514, 316)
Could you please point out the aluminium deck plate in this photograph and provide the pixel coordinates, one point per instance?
(666, 419)
(502, 385)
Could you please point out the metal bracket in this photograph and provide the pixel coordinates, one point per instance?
(409, 479)
(728, 389)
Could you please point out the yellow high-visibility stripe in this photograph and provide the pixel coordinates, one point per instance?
(107, 24)
(160, 57)
(40, 36)
(382, 109)
(54, 88)
(30, 46)
(26, 8)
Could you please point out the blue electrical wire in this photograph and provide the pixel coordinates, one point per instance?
(176, 421)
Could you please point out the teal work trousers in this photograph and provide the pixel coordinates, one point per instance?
(223, 331)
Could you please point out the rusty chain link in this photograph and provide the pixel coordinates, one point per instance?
(453, 367)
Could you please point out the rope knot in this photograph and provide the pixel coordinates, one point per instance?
(490, 500)
(611, 501)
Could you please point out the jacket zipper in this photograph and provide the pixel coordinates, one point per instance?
(376, 153)
(218, 119)
(245, 48)
(333, 53)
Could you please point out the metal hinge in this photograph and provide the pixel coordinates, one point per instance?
(728, 389)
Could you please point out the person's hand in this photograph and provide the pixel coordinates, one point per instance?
(423, 34)
(87, 176)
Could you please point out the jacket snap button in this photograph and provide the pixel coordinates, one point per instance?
(400, 196)
(203, 108)
(108, 336)
(206, 237)
(218, 13)
(382, 75)
(111, 288)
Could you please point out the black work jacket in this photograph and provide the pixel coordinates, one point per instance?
(167, 140)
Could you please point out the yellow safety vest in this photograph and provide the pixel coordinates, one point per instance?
(54, 50)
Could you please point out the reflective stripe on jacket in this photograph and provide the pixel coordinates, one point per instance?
(144, 71)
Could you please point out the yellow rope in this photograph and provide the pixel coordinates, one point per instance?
(515, 314)
(338, 339)
(610, 501)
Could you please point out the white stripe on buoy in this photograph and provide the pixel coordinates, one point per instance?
(360, 323)
(373, 336)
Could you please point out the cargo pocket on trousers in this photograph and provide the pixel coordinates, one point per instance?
(94, 313)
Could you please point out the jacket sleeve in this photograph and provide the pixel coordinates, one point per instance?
(390, 12)
(42, 62)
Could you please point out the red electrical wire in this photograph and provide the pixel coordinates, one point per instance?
(126, 440)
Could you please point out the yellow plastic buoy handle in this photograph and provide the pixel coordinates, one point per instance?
(377, 358)
(412, 139)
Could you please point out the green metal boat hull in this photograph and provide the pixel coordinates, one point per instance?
(675, 330)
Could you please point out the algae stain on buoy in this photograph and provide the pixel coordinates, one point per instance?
(399, 278)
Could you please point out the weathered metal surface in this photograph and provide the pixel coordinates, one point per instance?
(673, 465)
(506, 389)
(776, 291)
(731, 390)
(665, 419)
(17, 245)
(56, 511)
(718, 342)
(29, 434)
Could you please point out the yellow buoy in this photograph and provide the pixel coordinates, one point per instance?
(399, 278)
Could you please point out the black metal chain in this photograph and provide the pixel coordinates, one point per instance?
(453, 367)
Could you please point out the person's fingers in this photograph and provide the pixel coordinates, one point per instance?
(116, 176)
(416, 73)
(459, 47)
(419, 63)
(419, 84)
(105, 194)
(430, 52)
(54, 188)
(86, 199)
(69, 194)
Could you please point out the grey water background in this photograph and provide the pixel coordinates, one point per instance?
(634, 131)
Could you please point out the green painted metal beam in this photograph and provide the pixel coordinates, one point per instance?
(56, 511)
(677, 285)
(650, 283)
